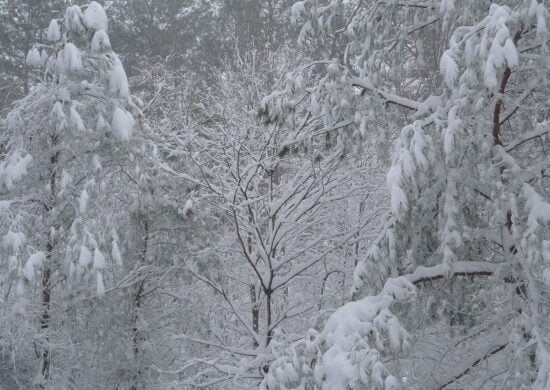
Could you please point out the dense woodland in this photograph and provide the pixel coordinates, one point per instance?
(274, 194)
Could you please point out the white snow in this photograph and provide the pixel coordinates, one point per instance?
(99, 260)
(64, 95)
(533, 8)
(546, 257)
(398, 198)
(431, 104)
(96, 163)
(100, 284)
(13, 241)
(454, 125)
(68, 60)
(307, 30)
(118, 81)
(73, 20)
(44, 57)
(76, 120)
(34, 60)
(541, 19)
(537, 207)
(5, 205)
(14, 168)
(188, 206)
(72, 59)
(100, 42)
(20, 288)
(490, 74)
(95, 17)
(348, 329)
(349, 345)
(83, 202)
(296, 11)
(422, 273)
(496, 53)
(102, 126)
(35, 260)
(446, 6)
(115, 253)
(448, 68)
(510, 53)
(65, 179)
(122, 124)
(85, 257)
(72, 270)
(54, 32)
(419, 144)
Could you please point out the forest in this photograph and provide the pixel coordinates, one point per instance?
(274, 194)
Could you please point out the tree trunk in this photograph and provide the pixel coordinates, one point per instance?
(255, 310)
(137, 337)
(269, 331)
(45, 319)
(47, 271)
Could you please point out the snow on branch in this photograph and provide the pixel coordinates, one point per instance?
(388, 97)
(350, 347)
(526, 138)
(457, 268)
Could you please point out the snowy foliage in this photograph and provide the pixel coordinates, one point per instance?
(54, 31)
(374, 171)
(54, 230)
(277, 236)
(95, 18)
(468, 187)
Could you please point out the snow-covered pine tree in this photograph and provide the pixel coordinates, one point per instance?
(458, 282)
(62, 141)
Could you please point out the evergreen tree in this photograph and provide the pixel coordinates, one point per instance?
(63, 140)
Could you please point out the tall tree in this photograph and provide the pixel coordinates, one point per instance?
(457, 282)
(278, 232)
(62, 140)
